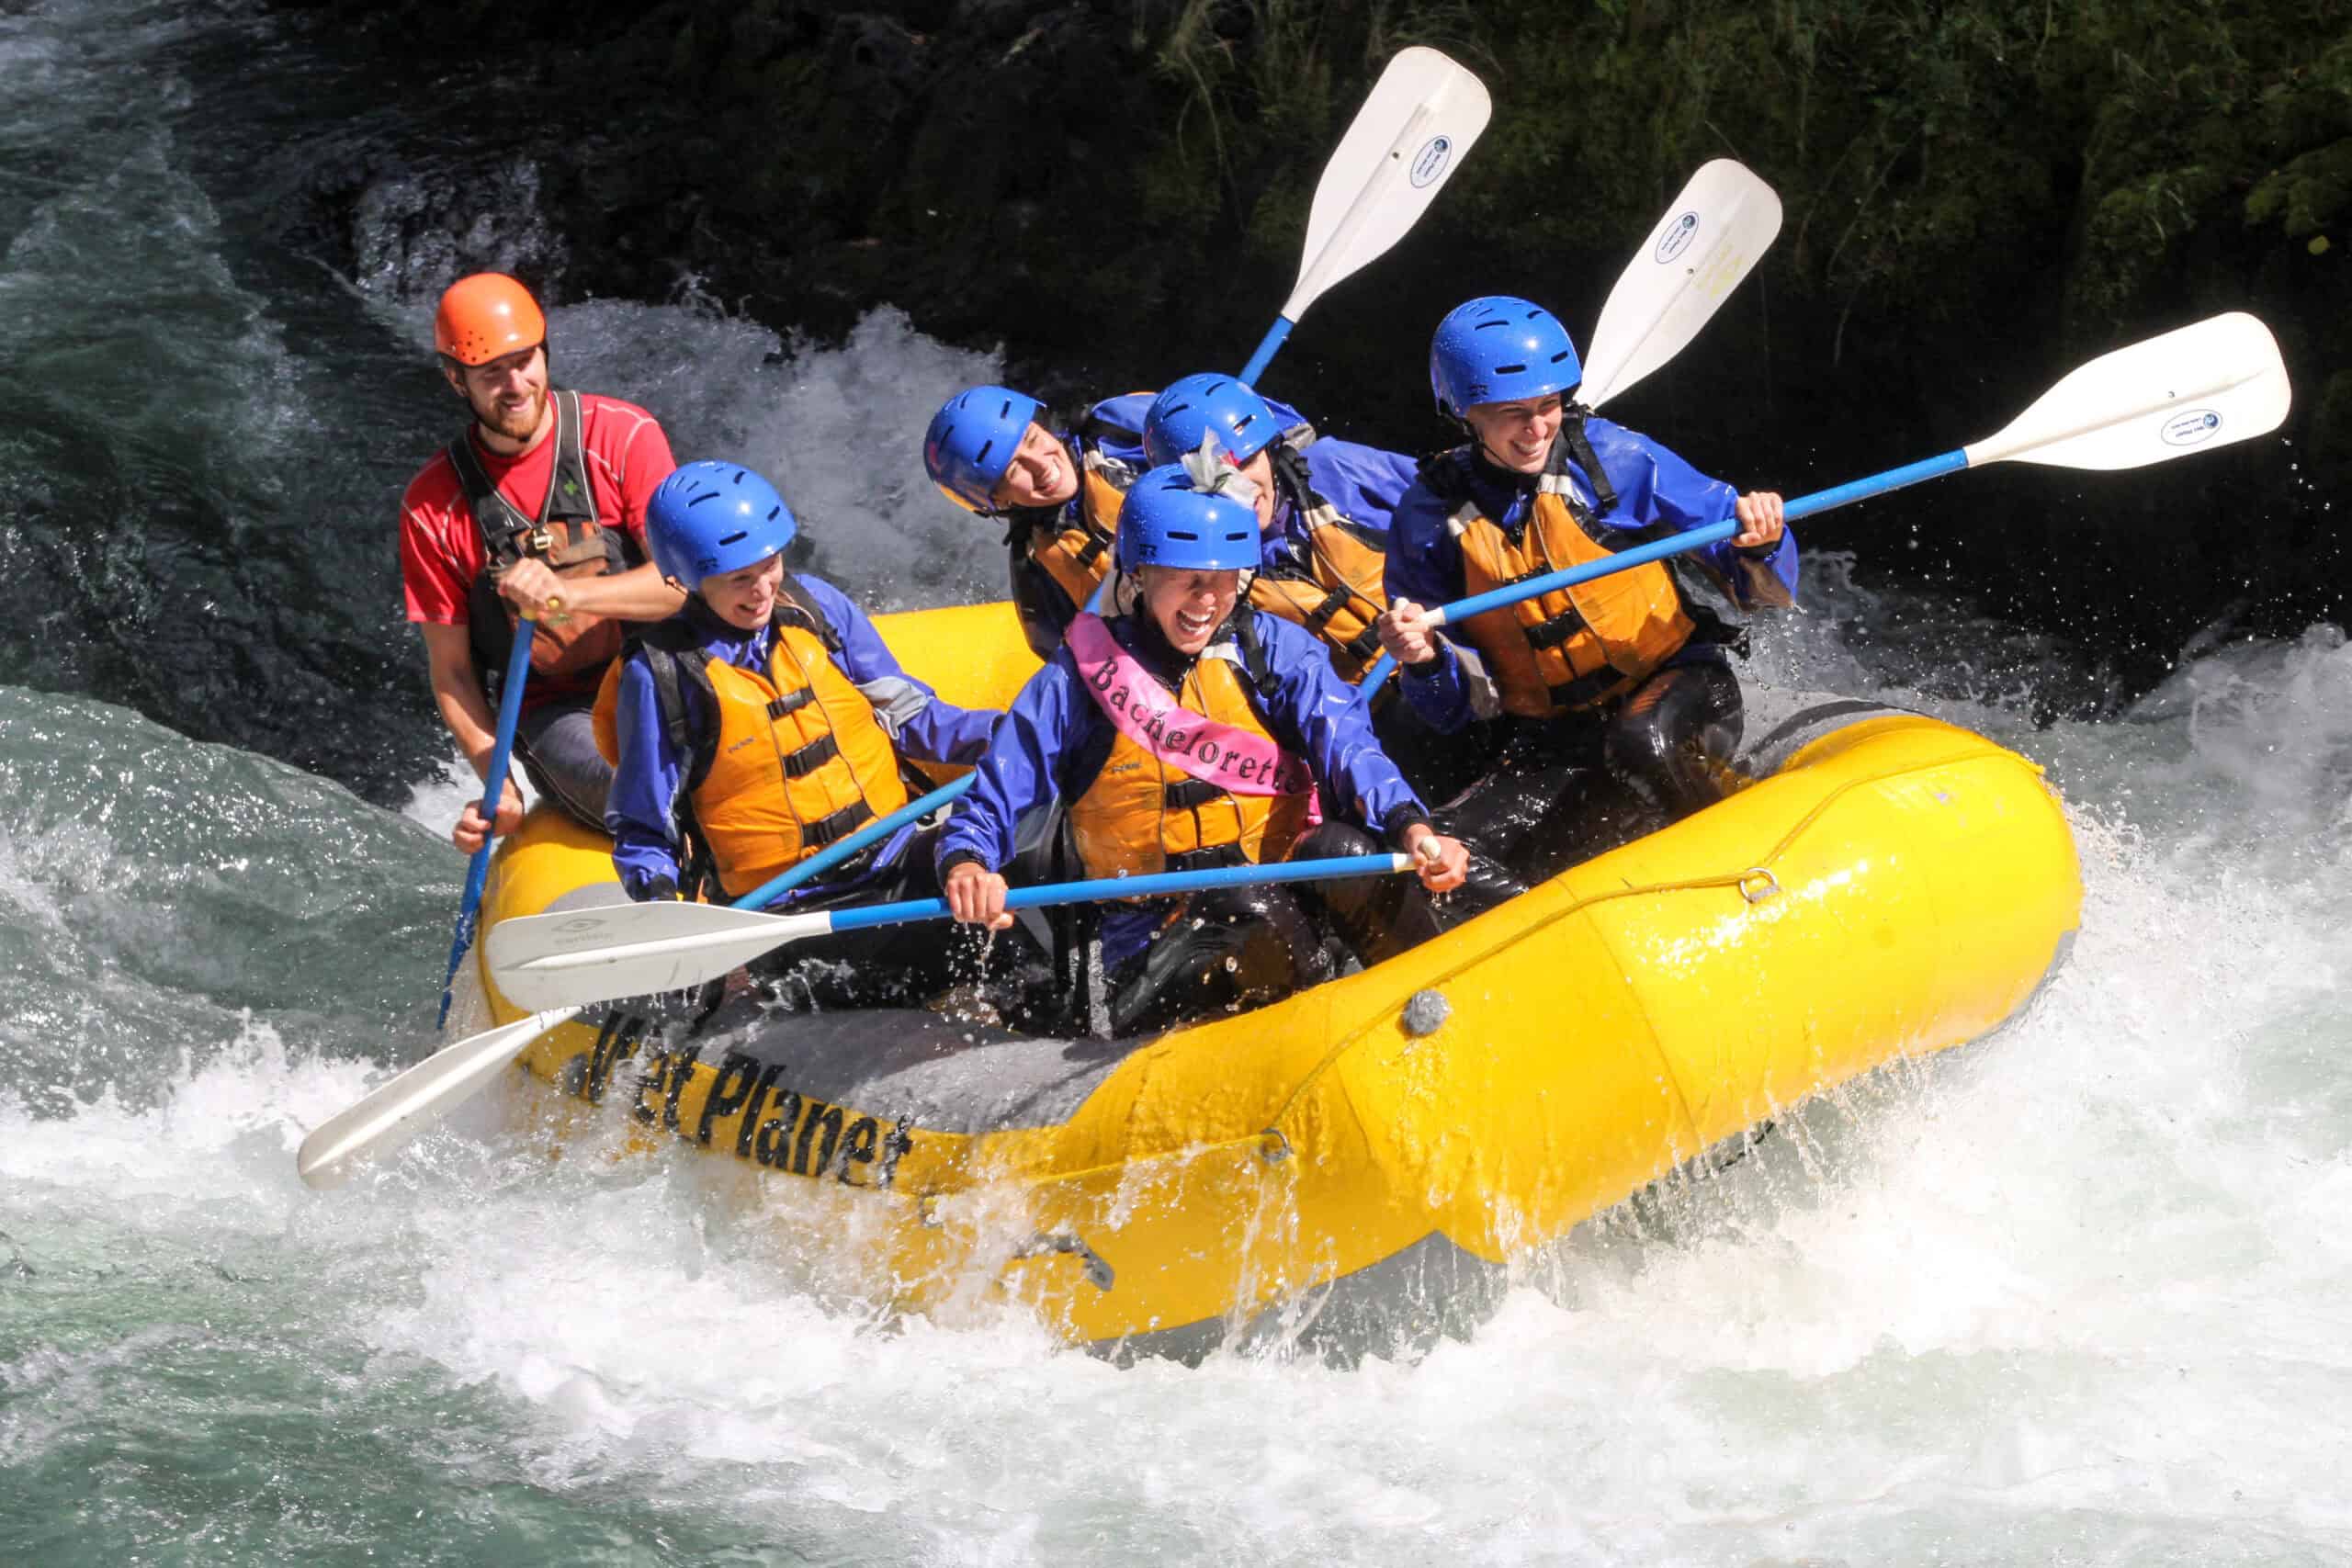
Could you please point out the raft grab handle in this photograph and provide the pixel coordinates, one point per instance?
(1098, 1273)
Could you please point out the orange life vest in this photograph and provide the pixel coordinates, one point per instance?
(797, 759)
(1575, 648)
(1075, 550)
(1338, 596)
(1140, 815)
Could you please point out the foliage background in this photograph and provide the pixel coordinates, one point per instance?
(1979, 195)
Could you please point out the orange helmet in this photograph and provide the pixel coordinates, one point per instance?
(484, 316)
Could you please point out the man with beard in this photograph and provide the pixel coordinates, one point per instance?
(536, 508)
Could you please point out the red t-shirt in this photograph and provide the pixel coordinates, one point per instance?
(441, 551)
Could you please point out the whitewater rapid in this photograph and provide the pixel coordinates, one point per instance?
(2076, 1293)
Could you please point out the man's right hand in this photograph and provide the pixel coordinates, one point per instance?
(1407, 634)
(976, 896)
(533, 589)
(472, 830)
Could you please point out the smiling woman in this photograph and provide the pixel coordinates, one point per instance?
(1194, 731)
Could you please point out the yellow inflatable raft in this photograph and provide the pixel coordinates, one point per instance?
(1889, 886)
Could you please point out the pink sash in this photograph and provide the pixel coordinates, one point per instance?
(1239, 760)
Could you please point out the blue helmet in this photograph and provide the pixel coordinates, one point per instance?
(1166, 521)
(971, 441)
(708, 518)
(1498, 348)
(1197, 405)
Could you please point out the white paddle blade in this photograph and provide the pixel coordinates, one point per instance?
(1404, 144)
(1719, 227)
(582, 956)
(396, 1110)
(2208, 385)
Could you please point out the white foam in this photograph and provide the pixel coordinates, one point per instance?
(437, 800)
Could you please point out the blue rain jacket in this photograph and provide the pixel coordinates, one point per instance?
(1363, 483)
(1654, 486)
(640, 810)
(1054, 737)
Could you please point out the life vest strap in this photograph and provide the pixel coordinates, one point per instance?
(506, 533)
(1589, 689)
(1189, 794)
(1215, 857)
(810, 758)
(840, 825)
(1573, 441)
(1557, 629)
(1091, 551)
(1337, 600)
(792, 702)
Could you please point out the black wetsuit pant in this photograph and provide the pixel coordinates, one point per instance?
(556, 744)
(1236, 948)
(1562, 790)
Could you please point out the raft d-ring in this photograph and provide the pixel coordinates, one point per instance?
(1098, 1272)
(1756, 884)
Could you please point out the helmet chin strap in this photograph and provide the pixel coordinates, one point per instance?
(1571, 413)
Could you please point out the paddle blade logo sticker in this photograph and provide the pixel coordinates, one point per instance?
(1676, 237)
(1431, 160)
(2188, 429)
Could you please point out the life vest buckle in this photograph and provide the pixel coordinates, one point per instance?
(540, 541)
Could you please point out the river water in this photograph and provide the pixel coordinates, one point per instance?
(2077, 1294)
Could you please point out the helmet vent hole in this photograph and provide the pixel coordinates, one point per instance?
(736, 538)
(1508, 369)
(987, 448)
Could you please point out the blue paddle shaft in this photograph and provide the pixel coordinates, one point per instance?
(1276, 335)
(831, 856)
(510, 710)
(1877, 484)
(1267, 348)
(1152, 886)
(1566, 577)
(1680, 544)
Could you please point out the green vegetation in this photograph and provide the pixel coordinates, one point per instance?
(1978, 194)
